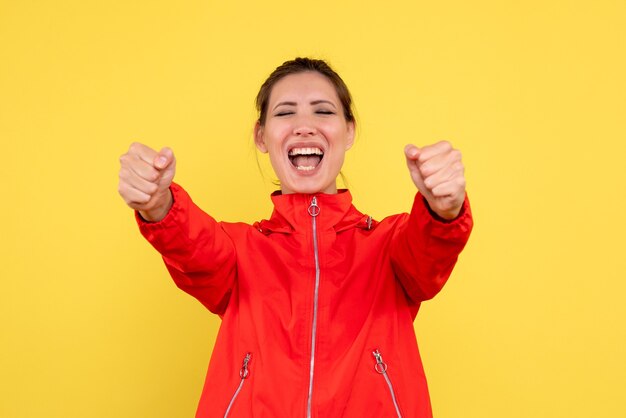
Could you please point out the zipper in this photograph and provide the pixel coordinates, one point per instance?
(381, 368)
(244, 373)
(313, 210)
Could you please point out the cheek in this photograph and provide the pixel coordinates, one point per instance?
(274, 138)
(339, 133)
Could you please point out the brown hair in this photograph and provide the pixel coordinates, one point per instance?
(301, 65)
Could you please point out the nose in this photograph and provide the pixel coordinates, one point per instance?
(304, 128)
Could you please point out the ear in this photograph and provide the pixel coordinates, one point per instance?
(258, 137)
(350, 136)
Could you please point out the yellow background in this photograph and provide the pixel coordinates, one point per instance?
(532, 322)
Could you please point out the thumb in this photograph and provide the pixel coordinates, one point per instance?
(164, 158)
(412, 154)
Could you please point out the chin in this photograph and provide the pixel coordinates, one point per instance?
(306, 187)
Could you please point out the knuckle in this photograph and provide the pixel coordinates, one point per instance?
(152, 188)
(142, 199)
(445, 145)
(122, 187)
(151, 203)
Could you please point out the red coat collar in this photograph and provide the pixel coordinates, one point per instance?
(291, 213)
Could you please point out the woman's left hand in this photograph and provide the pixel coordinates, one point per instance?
(438, 173)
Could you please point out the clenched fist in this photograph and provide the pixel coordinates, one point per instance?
(438, 173)
(145, 178)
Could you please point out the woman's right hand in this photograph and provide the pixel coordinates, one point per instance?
(145, 178)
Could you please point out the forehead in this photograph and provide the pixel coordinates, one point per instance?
(304, 86)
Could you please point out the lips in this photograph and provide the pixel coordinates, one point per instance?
(305, 158)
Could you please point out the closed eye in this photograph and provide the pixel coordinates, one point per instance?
(284, 113)
(324, 112)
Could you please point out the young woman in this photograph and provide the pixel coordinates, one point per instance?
(317, 302)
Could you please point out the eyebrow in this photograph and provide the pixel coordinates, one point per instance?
(285, 104)
(314, 102)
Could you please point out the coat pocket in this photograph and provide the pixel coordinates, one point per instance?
(244, 373)
(381, 368)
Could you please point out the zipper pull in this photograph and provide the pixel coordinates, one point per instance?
(380, 366)
(313, 209)
(244, 372)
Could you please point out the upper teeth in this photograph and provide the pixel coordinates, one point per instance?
(305, 151)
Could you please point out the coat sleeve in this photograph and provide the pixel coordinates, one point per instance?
(425, 248)
(198, 253)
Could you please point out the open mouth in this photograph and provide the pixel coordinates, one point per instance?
(306, 158)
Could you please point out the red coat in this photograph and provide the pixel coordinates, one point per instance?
(317, 277)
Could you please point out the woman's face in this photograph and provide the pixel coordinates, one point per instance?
(305, 133)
